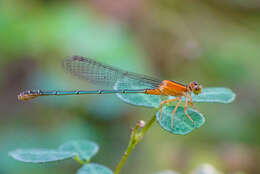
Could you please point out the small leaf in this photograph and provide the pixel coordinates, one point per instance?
(93, 168)
(181, 123)
(139, 99)
(215, 95)
(40, 155)
(84, 149)
(208, 95)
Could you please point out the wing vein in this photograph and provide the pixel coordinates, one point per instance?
(105, 75)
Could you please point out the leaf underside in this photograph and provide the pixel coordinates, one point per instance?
(181, 123)
(84, 149)
(81, 148)
(40, 155)
(93, 168)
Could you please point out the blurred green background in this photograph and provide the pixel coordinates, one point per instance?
(215, 42)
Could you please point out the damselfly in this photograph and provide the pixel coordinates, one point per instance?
(105, 75)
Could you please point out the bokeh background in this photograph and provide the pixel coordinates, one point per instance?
(215, 42)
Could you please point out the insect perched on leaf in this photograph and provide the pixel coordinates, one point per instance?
(104, 75)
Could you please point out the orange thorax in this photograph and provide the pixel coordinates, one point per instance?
(168, 87)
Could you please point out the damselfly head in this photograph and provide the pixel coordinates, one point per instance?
(195, 87)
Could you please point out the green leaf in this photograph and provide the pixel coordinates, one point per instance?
(208, 95)
(146, 100)
(84, 149)
(40, 155)
(93, 168)
(215, 95)
(181, 123)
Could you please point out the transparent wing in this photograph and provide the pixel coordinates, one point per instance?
(105, 75)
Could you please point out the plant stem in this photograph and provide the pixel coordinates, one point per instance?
(79, 160)
(135, 138)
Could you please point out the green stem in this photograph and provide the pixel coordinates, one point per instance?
(136, 137)
(148, 125)
(79, 160)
